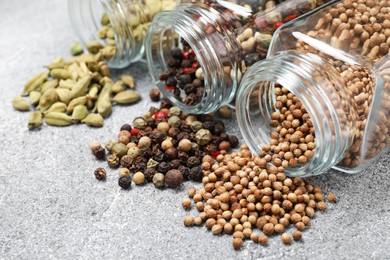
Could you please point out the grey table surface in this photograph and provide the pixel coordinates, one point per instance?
(52, 207)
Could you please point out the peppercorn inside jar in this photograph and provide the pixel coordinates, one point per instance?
(115, 27)
(206, 48)
(324, 89)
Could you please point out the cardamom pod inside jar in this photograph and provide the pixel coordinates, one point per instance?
(205, 48)
(117, 28)
(321, 99)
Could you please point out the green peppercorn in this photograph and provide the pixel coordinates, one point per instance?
(159, 180)
(174, 111)
(174, 121)
(203, 136)
(152, 163)
(119, 150)
(196, 126)
(139, 123)
(112, 161)
(110, 145)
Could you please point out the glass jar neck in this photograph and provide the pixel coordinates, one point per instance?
(213, 51)
(85, 18)
(320, 89)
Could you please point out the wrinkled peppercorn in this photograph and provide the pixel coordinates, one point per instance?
(163, 167)
(157, 136)
(151, 122)
(196, 174)
(182, 135)
(154, 94)
(193, 161)
(100, 174)
(145, 152)
(149, 173)
(183, 156)
(124, 182)
(175, 164)
(99, 152)
(127, 161)
(173, 132)
(139, 164)
(112, 161)
(185, 171)
(233, 140)
(176, 53)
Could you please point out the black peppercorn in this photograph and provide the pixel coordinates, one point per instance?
(186, 63)
(173, 132)
(127, 161)
(233, 140)
(199, 94)
(184, 79)
(153, 110)
(219, 127)
(193, 161)
(196, 174)
(145, 152)
(149, 173)
(126, 127)
(186, 128)
(158, 156)
(224, 136)
(176, 53)
(173, 178)
(151, 122)
(171, 81)
(175, 164)
(99, 152)
(170, 154)
(124, 182)
(165, 104)
(183, 156)
(164, 76)
(100, 174)
(192, 137)
(134, 139)
(173, 63)
(157, 136)
(197, 83)
(185, 171)
(139, 164)
(154, 94)
(205, 118)
(163, 167)
(209, 126)
(210, 148)
(182, 135)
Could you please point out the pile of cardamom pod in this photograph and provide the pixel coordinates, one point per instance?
(79, 90)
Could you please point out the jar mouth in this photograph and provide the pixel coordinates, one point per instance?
(85, 17)
(256, 100)
(179, 23)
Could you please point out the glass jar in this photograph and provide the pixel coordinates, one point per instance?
(218, 40)
(119, 25)
(336, 61)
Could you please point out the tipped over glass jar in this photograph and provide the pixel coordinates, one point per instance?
(203, 49)
(326, 76)
(117, 26)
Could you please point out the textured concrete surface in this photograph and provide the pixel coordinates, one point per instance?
(52, 207)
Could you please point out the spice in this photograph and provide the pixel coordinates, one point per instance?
(159, 180)
(191, 191)
(286, 238)
(188, 221)
(297, 235)
(139, 178)
(154, 94)
(97, 150)
(331, 197)
(124, 172)
(173, 178)
(100, 174)
(263, 240)
(124, 182)
(186, 203)
(237, 243)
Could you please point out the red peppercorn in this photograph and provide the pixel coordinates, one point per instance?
(291, 17)
(277, 25)
(186, 54)
(134, 131)
(169, 87)
(160, 115)
(215, 154)
(187, 71)
(194, 64)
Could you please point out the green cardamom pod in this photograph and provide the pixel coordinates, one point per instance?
(102, 33)
(34, 120)
(93, 120)
(57, 107)
(82, 58)
(34, 82)
(104, 107)
(128, 80)
(81, 87)
(84, 69)
(94, 46)
(126, 97)
(76, 48)
(64, 95)
(93, 91)
(106, 80)
(73, 70)
(60, 74)
(92, 66)
(51, 84)
(58, 119)
(105, 20)
(79, 112)
(108, 52)
(48, 98)
(110, 33)
(20, 104)
(103, 69)
(34, 97)
(119, 86)
(58, 63)
(67, 83)
(104, 95)
(75, 102)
